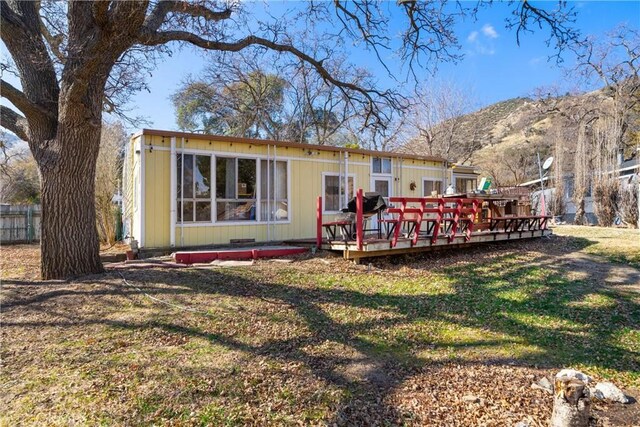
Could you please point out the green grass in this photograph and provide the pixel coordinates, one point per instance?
(621, 245)
(286, 344)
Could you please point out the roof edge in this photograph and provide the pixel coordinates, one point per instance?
(222, 138)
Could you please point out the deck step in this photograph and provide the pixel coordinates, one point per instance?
(192, 257)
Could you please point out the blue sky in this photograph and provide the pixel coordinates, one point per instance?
(494, 67)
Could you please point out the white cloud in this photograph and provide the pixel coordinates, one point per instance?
(481, 40)
(535, 61)
(489, 31)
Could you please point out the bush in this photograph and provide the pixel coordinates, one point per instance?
(605, 198)
(628, 205)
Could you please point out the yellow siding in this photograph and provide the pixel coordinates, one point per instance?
(157, 193)
(305, 167)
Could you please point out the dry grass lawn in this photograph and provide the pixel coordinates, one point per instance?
(320, 341)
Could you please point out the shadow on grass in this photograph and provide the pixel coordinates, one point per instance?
(505, 301)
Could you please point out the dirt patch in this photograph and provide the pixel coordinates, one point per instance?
(20, 262)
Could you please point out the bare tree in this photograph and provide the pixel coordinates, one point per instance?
(628, 204)
(581, 175)
(108, 172)
(437, 115)
(558, 204)
(254, 95)
(615, 62)
(77, 58)
(19, 181)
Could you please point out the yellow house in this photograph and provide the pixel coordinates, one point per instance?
(182, 189)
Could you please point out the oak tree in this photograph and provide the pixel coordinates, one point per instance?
(76, 59)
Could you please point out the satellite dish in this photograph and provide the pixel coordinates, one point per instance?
(547, 163)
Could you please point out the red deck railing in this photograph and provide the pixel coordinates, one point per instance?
(447, 215)
(427, 217)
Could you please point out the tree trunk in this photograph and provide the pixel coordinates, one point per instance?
(571, 403)
(580, 216)
(69, 240)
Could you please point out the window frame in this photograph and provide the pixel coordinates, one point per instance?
(433, 180)
(340, 182)
(466, 177)
(236, 199)
(272, 199)
(214, 222)
(181, 200)
(382, 159)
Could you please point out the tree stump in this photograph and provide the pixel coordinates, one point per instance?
(571, 403)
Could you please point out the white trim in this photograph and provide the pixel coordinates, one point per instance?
(390, 173)
(214, 206)
(346, 180)
(385, 177)
(251, 156)
(427, 168)
(268, 193)
(182, 193)
(323, 174)
(137, 206)
(275, 179)
(234, 223)
(465, 175)
(431, 179)
(143, 180)
(173, 193)
(289, 204)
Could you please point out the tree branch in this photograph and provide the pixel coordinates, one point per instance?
(19, 99)
(20, 30)
(157, 16)
(158, 38)
(14, 122)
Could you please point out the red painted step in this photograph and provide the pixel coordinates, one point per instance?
(193, 257)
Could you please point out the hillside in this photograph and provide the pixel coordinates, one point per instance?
(510, 133)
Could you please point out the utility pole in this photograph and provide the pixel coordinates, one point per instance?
(544, 205)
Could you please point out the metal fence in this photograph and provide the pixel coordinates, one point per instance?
(19, 223)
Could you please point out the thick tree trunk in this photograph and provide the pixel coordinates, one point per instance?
(69, 239)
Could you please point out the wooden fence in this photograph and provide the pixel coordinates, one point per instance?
(19, 223)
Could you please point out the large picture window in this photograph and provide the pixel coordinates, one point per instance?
(244, 189)
(274, 203)
(194, 188)
(235, 189)
(334, 190)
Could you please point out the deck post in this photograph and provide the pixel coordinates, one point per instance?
(319, 222)
(359, 219)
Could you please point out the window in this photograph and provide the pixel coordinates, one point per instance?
(274, 203)
(465, 185)
(429, 186)
(237, 196)
(382, 186)
(194, 188)
(381, 165)
(235, 189)
(568, 187)
(333, 191)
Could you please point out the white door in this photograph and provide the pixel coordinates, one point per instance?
(381, 185)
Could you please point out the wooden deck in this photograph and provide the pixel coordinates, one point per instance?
(420, 224)
(380, 247)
